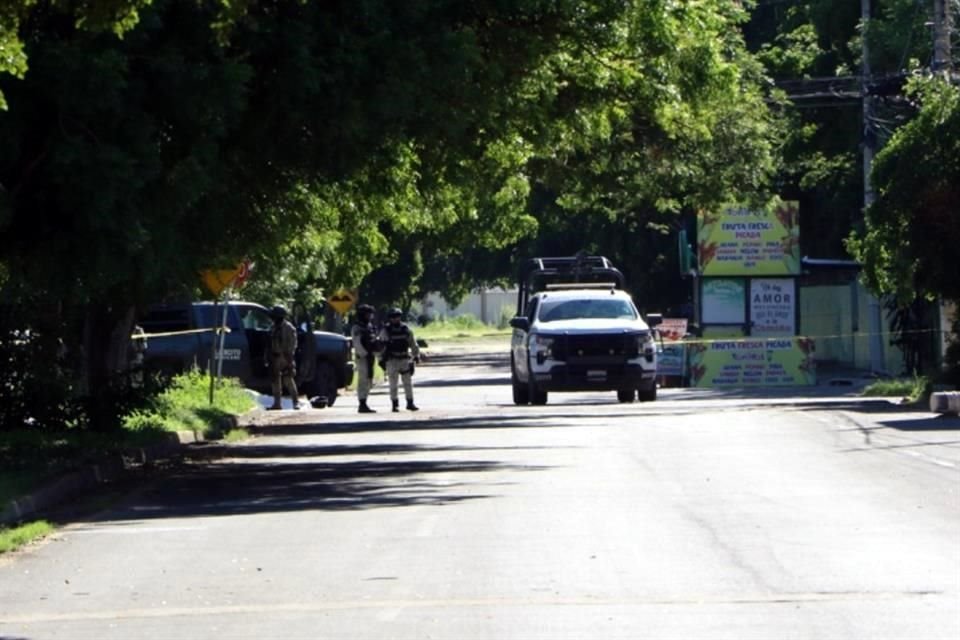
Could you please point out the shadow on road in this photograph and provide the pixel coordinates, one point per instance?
(225, 480)
(933, 423)
(552, 420)
(464, 382)
(882, 408)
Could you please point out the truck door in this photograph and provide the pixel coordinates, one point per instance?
(255, 324)
(236, 350)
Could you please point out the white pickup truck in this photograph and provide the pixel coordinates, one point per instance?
(583, 335)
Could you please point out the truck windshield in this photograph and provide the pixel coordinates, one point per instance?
(615, 309)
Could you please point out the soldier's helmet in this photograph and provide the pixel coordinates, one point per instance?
(364, 310)
(394, 313)
(278, 312)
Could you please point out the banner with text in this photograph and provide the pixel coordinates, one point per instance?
(773, 307)
(740, 241)
(752, 362)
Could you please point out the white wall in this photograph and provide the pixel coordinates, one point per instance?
(488, 305)
(826, 315)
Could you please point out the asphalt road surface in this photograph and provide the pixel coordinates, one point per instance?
(796, 514)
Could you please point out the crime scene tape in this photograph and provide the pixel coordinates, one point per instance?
(761, 339)
(164, 334)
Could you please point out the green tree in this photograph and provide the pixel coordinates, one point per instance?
(812, 49)
(289, 129)
(908, 247)
(663, 114)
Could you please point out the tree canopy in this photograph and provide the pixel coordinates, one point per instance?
(909, 244)
(146, 141)
(409, 146)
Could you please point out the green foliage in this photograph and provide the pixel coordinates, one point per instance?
(185, 406)
(309, 137)
(908, 247)
(812, 48)
(912, 389)
(12, 538)
(236, 435)
(397, 147)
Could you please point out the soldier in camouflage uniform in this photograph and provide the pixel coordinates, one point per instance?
(366, 346)
(400, 353)
(283, 367)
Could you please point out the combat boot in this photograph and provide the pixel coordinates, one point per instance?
(411, 406)
(364, 408)
(396, 405)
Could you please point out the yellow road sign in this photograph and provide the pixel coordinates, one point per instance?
(216, 280)
(342, 301)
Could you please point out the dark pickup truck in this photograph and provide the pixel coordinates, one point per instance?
(324, 360)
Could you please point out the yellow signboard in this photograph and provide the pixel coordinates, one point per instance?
(749, 242)
(752, 362)
(216, 280)
(342, 301)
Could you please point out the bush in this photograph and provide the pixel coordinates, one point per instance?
(914, 389)
(185, 405)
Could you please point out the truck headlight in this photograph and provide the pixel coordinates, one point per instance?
(646, 345)
(541, 347)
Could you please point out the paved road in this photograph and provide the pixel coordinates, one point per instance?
(703, 515)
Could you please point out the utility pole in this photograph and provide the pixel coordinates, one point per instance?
(942, 23)
(874, 314)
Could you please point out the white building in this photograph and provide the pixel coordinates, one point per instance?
(491, 306)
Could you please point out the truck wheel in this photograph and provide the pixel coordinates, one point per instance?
(648, 395)
(626, 395)
(324, 383)
(521, 395)
(537, 396)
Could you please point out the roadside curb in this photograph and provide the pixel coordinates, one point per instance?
(110, 469)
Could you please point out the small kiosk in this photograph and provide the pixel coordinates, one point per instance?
(748, 265)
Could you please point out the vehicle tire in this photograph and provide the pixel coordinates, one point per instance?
(324, 383)
(537, 396)
(648, 395)
(521, 395)
(626, 395)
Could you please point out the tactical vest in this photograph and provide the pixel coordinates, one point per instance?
(398, 340)
(368, 338)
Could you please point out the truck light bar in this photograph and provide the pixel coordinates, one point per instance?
(581, 285)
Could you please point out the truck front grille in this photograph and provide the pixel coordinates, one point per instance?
(603, 345)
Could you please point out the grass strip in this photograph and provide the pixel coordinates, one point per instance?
(12, 538)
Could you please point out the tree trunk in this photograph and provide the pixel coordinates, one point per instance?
(106, 343)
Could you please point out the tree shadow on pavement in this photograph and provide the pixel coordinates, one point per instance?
(933, 423)
(470, 382)
(916, 418)
(252, 478)
(482, 422)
